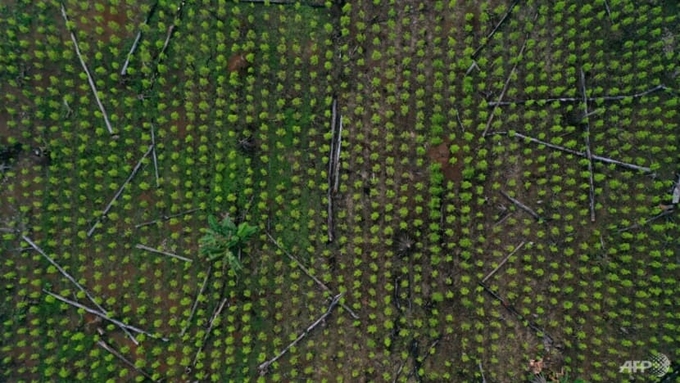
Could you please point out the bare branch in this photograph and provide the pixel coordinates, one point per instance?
(87, 72)
(136, 42)
(428, 352)
(120, 190)
(118, 355)
(638, 225)
(481, 371)
(576, 99)
(505, 87)
(401, 367)
(580, 154)
(503, 261)
(522, 206)
(151, 249)
(472, 67)
(123, 71)
(64, 273)
(103, 316)
(589, 155)
(285, 2)
(315, 279)
(216, 313)
(330, 170)
(493, 32)
(532, 325)
(338, 146)
(171, 28)
(153, 155)
(72, 280)
(264, 367)
(330, 218)
(460, 123)
(167, 217)
(609, 12)
(195, 305)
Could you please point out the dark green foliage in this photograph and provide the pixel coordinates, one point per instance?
(9, 152)
(224, 239)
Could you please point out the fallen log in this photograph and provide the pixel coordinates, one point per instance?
(315, 279)
(195, 305)
(581, 154)
(522, 206)
(104, 316)
(119, 192)
(120, 356)
(533, 326)
(503, 262)
(216, 313)
(589, 155)
(87, 73)
(578, 99)
(264, 367)
(73, 280)
(123, 71)
(505, 87)
(152, 250)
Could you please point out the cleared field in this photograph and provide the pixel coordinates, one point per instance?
(443, 191)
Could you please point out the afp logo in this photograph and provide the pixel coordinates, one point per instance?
(657, 365)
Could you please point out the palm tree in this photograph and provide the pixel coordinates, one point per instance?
(224, 239)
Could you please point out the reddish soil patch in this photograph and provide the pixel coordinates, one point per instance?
(112, 20)
(180, 123)
(452, 165)
(102, 21)
(310, 49)
(175, 227)
(147, 199)
(119, 340)
(237, 63)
